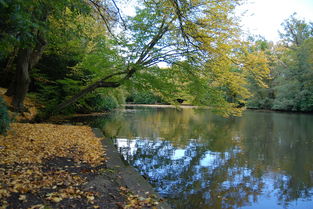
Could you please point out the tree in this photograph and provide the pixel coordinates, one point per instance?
(262, 89)
(23, 33)
(295, 31)
(293, 85)
(199, 40)
(61, 73)
(201, 34)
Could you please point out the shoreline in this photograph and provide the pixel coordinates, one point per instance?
(130, 178)
(160, 106)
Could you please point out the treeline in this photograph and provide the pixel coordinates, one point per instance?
(86, 56)
(290, 85)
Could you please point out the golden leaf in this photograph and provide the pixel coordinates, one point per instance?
(22, 197)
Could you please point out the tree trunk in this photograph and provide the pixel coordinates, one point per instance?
(9, 65)
(86, 91)
(22, 79)
(21, 82)
(11, 90)
(26, 59)
(99, 84)
(103, 83)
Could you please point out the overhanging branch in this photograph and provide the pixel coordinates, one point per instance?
(101, 83)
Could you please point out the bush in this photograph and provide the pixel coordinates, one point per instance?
(4, 117)
(144, 97)
(100, 103)
(105, 103)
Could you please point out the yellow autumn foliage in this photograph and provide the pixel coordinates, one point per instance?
(24, 149)
(31, 143)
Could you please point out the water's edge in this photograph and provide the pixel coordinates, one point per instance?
(136, 184)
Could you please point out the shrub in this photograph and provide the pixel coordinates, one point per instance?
(4, 117)
(101, 103)
(144, 97)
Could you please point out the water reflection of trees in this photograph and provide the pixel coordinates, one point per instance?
(213, 162)
(199, 177)
(284, 145)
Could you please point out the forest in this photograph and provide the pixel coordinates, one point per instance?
(90, 55)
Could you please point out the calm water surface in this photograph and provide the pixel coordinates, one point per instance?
(197, 160)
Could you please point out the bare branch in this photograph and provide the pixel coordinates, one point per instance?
(119, 14)
(162, 30)
(105, 19)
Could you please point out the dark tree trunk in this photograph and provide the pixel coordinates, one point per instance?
(20, 84)
(11, 89)
(26, 59)
(9, 65)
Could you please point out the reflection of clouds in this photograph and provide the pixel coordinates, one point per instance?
(257, 159)
(159, 160)
(126, 147)
(194, 170)
(178, 154)
(238, 176)
(210, 159)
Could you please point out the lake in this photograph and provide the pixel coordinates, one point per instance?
(196, 159)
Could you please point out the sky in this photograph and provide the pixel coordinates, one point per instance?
(261, 17)
(264, 17)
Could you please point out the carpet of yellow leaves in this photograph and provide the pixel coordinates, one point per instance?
(24, 149)
(31, 143)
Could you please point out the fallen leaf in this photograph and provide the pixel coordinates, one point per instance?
(22, 197)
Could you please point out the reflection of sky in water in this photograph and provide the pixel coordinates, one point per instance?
(208, 159)
(171, 181)
(199, 160)
(178, 154)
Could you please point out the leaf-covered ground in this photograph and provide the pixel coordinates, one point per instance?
(51, 166)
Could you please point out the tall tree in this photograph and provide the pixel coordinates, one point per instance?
(262, 89)
(203, 34)
(293, 68)
(296, 31)
(23, 32)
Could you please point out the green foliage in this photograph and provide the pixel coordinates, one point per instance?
(76, 55)
(199, 40)
(295, 31)
(4, 117)
(144, 97)
(291, 61)
(101, 103)
(22, 19)
(101, 100)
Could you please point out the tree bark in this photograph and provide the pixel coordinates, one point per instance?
(19, 87)
(11, 90)
(9, 67)
(26, 59)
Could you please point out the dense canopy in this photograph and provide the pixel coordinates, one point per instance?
(79, 55)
